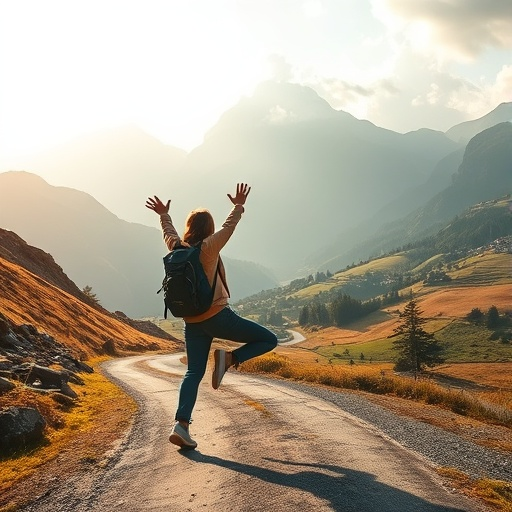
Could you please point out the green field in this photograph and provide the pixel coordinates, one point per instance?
(461, 342)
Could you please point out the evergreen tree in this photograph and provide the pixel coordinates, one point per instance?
(304, 316)
(417, 348)
(475, 316)
(88, 291)
(493, 317)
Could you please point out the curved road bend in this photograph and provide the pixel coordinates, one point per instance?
(261, 447)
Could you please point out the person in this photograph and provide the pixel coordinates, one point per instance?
(219, 321)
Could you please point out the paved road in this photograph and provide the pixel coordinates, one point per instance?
(261, 447)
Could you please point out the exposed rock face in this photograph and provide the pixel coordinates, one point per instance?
(21, 343)
(20, 427)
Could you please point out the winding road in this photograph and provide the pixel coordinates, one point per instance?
(261, 447)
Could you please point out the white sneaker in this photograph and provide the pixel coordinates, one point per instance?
(180, 437)
(219, 369)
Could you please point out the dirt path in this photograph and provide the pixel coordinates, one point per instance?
(261, 447)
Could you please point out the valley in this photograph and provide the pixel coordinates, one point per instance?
(350, 274)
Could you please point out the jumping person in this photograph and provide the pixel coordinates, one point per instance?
(220, 321)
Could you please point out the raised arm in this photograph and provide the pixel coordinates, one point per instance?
(171, 236)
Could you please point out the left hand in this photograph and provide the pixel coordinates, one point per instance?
(157, 206)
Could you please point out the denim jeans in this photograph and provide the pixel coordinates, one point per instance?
(225, 325)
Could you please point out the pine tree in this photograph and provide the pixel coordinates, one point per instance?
(493, 317)
(88, 291)
(417, 348)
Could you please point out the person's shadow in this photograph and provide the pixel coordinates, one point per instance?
(347, 490)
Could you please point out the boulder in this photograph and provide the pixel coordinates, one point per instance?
(20, 428)
(109, 347)
(66, 390)
(48, 378)
(6, 385)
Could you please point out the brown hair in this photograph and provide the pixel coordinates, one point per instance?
(198, 226)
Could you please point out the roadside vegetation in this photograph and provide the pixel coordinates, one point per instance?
(84, 429)
(494, 408)
(379, 381)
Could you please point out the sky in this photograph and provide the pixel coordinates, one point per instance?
(71, 67)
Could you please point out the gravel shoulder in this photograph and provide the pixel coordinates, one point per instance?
(458, 448)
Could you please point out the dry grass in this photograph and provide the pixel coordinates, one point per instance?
(374, 379)
(440, 307)
(495, 493)
(463, 413)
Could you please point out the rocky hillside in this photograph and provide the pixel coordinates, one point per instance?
(48, 329)
(35, 291)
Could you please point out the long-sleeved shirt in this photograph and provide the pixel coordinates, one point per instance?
(209, 257)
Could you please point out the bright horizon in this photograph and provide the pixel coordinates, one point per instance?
(173, 68)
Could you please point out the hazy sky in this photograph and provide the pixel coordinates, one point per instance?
(173, 67)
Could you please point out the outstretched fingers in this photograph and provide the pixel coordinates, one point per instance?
(155, 204)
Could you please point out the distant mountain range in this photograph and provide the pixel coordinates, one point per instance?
(121, 261)
(485, 173)
(463, 132)
(328, 190)
(315, 172)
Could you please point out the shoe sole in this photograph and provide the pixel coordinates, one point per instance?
(219, 357)
(179, 441)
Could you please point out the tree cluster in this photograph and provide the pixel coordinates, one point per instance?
(342, 310)
(493, 320)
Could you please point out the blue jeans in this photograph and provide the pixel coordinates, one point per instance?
(226, 325)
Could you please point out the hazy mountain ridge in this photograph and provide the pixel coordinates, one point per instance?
(463, 132)
(321, 171)
(328, 190)
(121, 261)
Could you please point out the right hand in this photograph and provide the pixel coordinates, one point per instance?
(242, 191)
(157, 206)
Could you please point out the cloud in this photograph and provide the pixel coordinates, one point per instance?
(279, 68)
(462, 27)
(340, 93)
(417, 94)
(279, 115)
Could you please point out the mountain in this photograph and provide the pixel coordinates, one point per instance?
(121, 261)
(484, 174)
(120, 168)
(315, 172)
(463, 132)
(471, 251)
(35, 291)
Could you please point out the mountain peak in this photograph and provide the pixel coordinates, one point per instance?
(299, 99)
(463, 132)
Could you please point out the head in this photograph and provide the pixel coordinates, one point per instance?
(198, 226)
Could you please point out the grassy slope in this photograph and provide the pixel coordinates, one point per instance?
(477, 282)
(26, 298)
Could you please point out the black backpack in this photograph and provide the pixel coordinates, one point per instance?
(187, 291)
